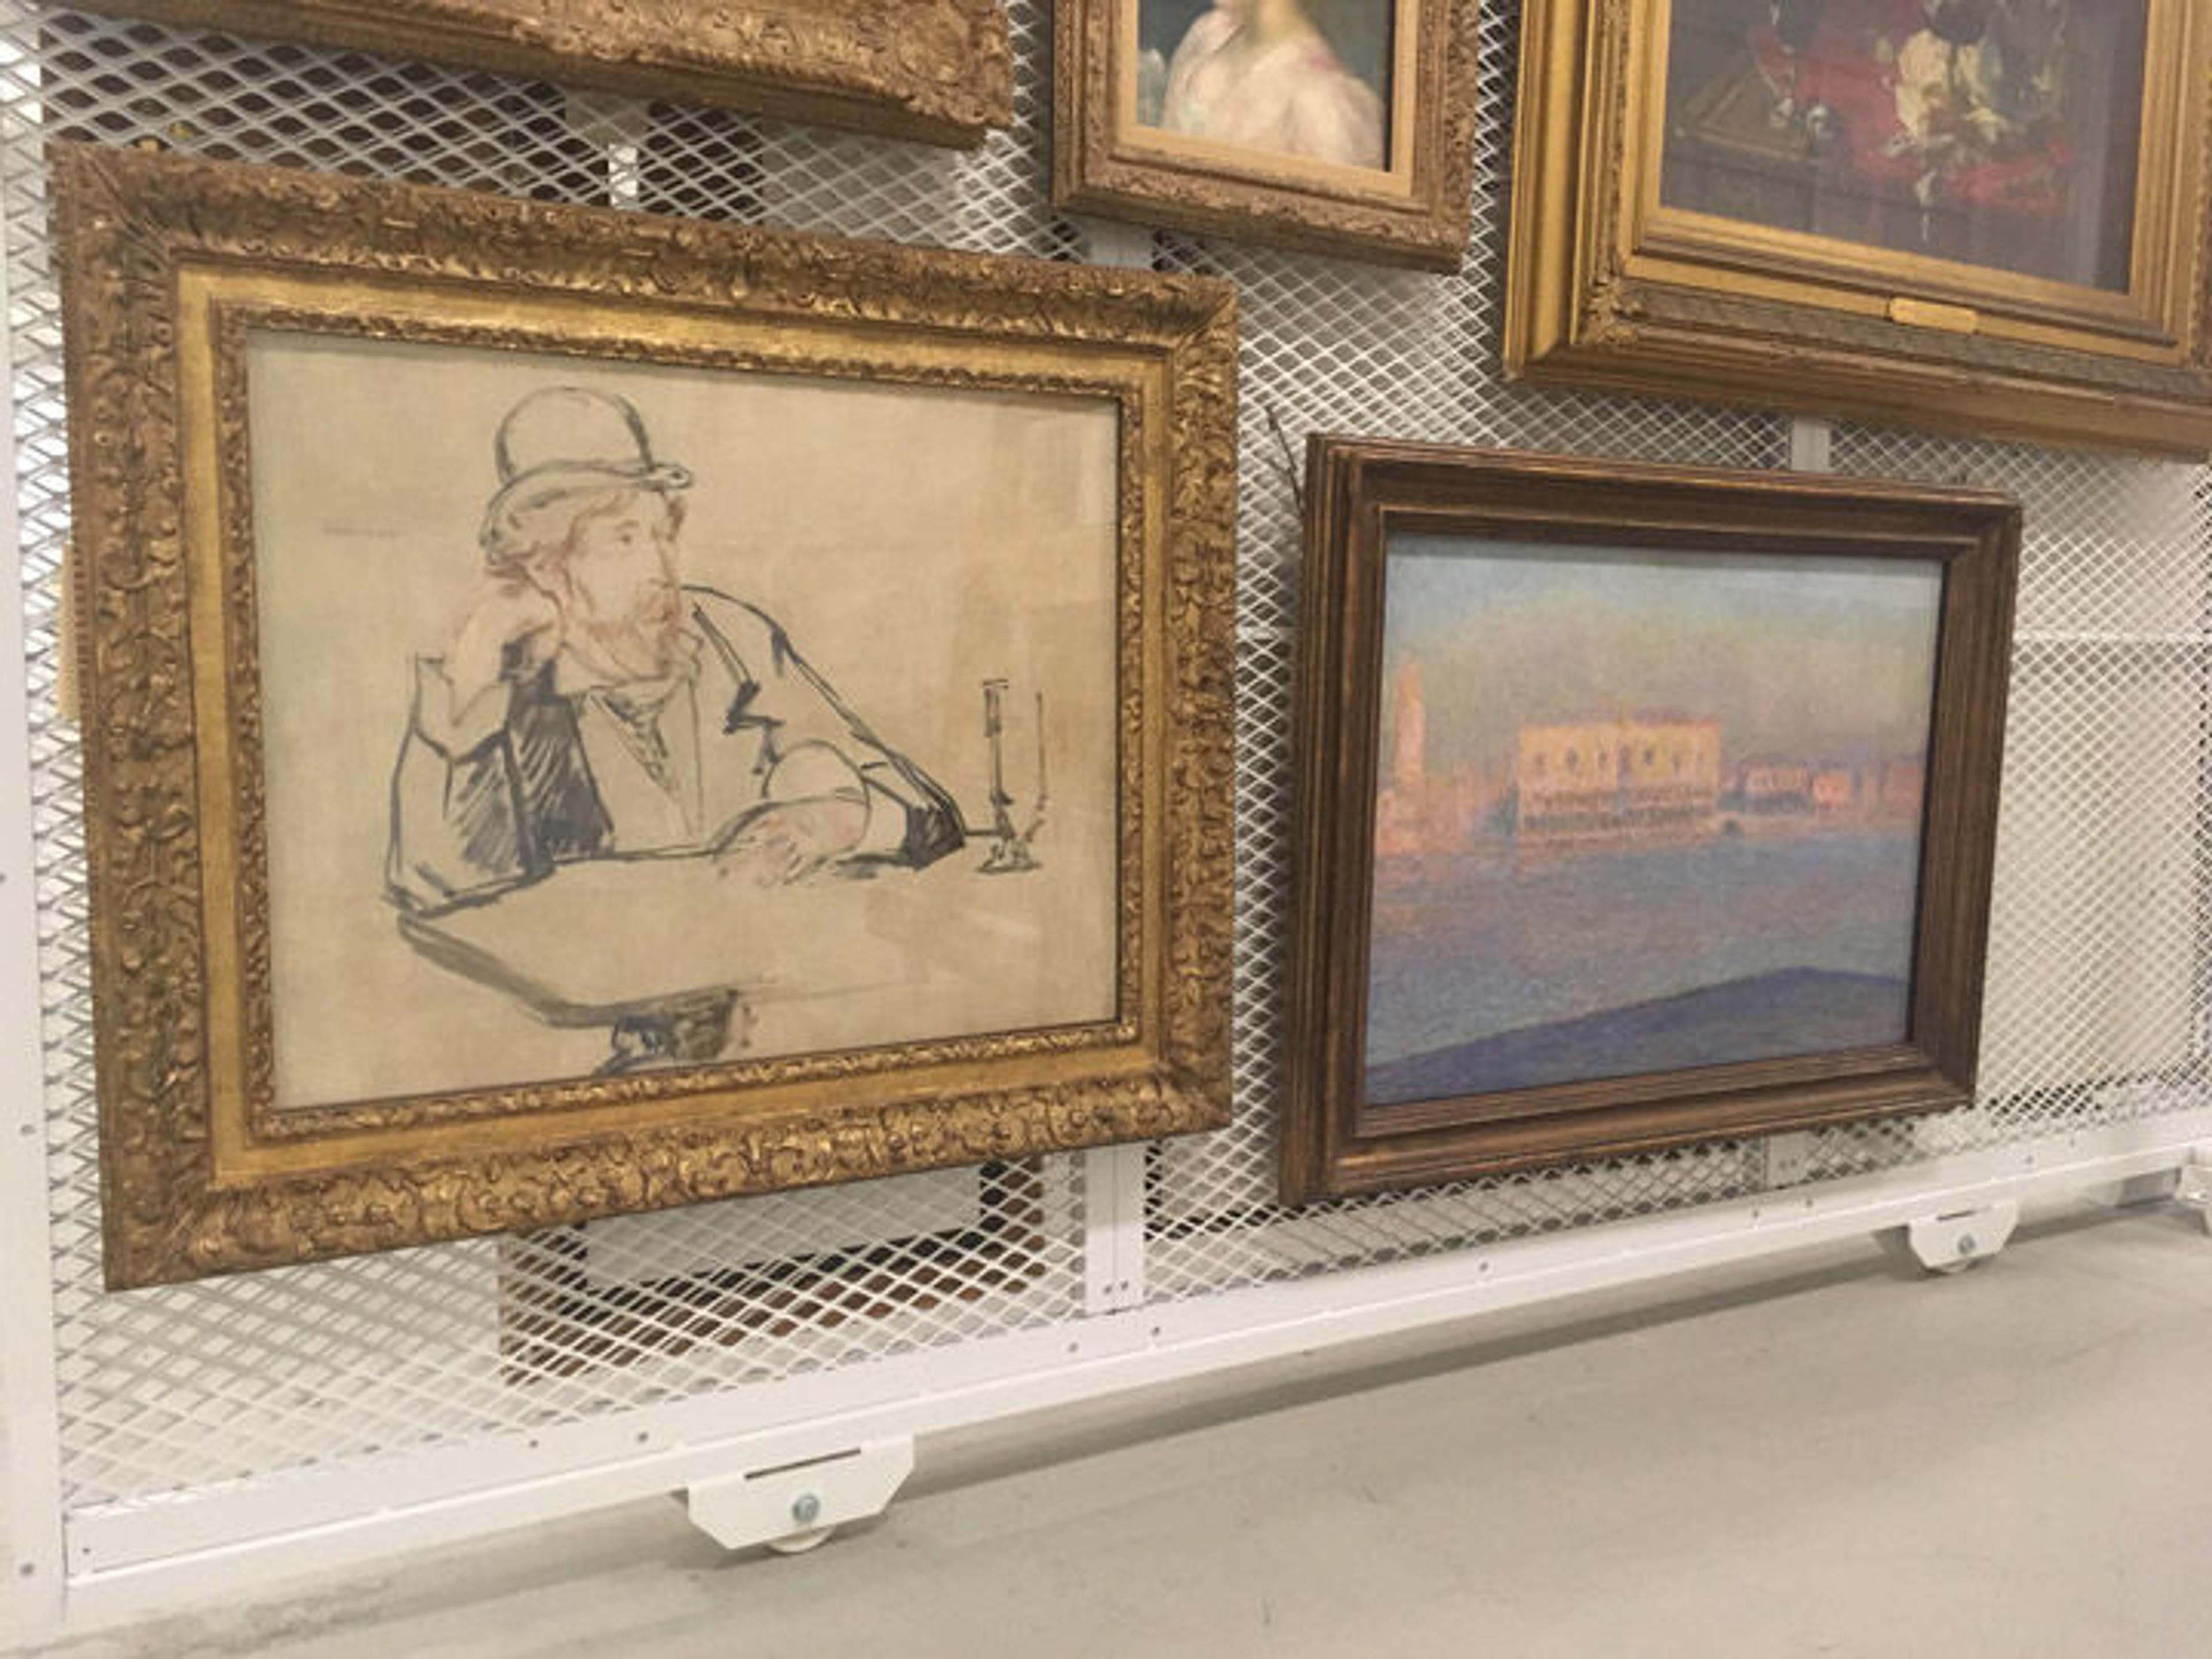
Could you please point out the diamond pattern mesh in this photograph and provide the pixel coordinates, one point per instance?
(2098, 999)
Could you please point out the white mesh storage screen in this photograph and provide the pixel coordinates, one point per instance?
(2098, 1001)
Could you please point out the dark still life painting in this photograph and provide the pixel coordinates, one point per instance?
(2001, 133)
(1640, 812)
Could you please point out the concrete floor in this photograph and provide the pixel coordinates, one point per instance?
(1821, 1455)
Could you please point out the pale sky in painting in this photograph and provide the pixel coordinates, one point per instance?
(1814, 657)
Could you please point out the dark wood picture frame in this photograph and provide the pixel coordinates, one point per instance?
(1362, 494)
(1414, 211)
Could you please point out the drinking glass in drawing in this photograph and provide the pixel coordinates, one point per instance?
(1641, 812)
(2004, 133)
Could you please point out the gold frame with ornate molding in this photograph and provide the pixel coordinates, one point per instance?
(938, 70)
(1414, 212)
(1610, 288)
(165, 265)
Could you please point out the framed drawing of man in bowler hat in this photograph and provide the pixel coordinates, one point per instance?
(586, 758)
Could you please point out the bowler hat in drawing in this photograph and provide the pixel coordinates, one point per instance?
(567, 441)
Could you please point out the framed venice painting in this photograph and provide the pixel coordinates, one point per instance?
(942, 71)
(1342, 126)
(585, 713)
(1988, 216)
(1641, 805)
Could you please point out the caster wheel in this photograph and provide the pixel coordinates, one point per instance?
(797, 1543)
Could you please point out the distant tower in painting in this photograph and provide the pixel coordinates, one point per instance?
(1399, 831)
(1421, 810)
(1409, 771)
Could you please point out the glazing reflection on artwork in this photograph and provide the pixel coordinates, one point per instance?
(616, 718)
(1999, 132)
(1309, 78)
(1640, 813)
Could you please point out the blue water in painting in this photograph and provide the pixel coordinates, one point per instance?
(1507, 967)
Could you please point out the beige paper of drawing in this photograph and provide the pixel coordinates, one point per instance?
(913, 543)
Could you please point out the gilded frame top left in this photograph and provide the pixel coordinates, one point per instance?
(586, 712)
(938, 70)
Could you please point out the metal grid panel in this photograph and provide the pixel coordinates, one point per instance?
(2096, 996)
(166, 1391)
(1331, 346)
(2097, 1007)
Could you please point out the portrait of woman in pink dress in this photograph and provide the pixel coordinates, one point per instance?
(1270, 74)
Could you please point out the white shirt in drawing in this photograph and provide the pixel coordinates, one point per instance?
(1293, 95)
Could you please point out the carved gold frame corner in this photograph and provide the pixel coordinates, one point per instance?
(1608, 289)
(166, 265)
(938, 70)
(1417, 212)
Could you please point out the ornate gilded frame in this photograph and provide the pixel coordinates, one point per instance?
(1609, 288)
(1415, 213)
(938, 70)
(167, 263)
(1336, 1142)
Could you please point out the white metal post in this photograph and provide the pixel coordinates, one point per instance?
(1812, 444)
(619, 126)
(1114, 1176)
(31, 1594)
(1110, 242)
(1113, 1229)
(2194, 1187)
